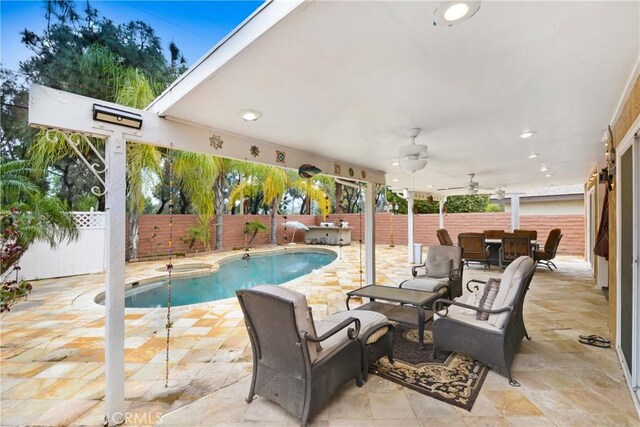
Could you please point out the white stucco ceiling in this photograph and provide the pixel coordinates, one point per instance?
(346, 80)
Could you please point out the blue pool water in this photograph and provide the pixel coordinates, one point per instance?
(271, 269)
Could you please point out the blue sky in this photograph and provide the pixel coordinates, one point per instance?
(195, 26)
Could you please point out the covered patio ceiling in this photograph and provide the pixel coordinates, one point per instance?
(346, 80)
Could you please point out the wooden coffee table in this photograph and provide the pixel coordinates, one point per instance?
(411, 311)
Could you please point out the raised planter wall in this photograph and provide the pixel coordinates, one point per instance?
(426, 225)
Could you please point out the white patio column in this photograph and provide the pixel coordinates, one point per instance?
(410, 225)
(114, 289)
(370, 233)
(441, 214)
(515, 211)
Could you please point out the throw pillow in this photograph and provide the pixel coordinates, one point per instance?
(438, 268)
(488, 296)
(473, 300)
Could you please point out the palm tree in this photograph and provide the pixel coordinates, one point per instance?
(38, 218)
(313, 191)
(254, 227)
(15, 182)
(274, 186)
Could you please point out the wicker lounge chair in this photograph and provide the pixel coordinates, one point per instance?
(494, 341)
(298, 363)
(450, 285)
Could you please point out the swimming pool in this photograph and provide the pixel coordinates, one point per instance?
(262, 269)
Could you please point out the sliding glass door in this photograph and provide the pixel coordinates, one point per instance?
(628, 251)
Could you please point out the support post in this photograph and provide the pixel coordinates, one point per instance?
(410, 225)
(114, 289)
(515, 211)
(370, 233)
(441, 214)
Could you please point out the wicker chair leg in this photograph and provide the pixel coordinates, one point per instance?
(252, 389)
(512, 382)
(553, 264)
(359, 380)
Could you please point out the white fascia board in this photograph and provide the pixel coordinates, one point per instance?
(242, 36)
(54, 109)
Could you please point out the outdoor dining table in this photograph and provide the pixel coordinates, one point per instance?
(494, 249)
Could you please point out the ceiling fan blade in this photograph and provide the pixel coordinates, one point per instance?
(450, 188)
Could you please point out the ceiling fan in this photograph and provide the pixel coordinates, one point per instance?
(413, 157)
(500, 193)
(472, 187)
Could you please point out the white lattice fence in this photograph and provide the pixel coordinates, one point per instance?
(83, 256)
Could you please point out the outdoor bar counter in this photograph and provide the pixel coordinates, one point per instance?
(327, 235)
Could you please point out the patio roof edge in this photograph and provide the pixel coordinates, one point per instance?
(54, 109)
(260, 21)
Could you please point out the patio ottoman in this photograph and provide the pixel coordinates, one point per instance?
(428, 284)
(375, 337)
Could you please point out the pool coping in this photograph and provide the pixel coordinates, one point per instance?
(214, 266)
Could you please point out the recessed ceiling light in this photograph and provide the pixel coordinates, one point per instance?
(543, 168)
(395, 180)
(429, 186)
(453, 12)
(395, 164)
(527, 134)
(250, 115)
(456, 11)
(533, 155)
(548, 175)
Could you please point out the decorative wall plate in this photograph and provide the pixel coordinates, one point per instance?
(254, 150)
(337, 169)
(351, 172)
(280, 156)
(216, 142)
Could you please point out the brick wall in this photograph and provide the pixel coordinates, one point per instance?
(154, 232)
(425, 226)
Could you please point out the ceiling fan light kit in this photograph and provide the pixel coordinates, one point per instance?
(413, 156)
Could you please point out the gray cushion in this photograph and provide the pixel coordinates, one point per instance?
(512, 280)
(425, 283)
(438, 268)
(369, 322)
(300, 309)
(439, 252)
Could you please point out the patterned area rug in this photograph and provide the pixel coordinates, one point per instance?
(452, 377)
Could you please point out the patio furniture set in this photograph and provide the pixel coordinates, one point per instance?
(497, 247)
(300, 363)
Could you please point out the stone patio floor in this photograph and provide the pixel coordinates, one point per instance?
(52, 355)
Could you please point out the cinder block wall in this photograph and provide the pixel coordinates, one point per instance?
(154, 229)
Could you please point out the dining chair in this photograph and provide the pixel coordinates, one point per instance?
(513, 247)
(474, 248)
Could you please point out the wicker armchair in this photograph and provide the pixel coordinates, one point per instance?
(546, 256)
(443, 237)
(298, 363)
(449, 285)
(474, 248)
(513, 247)
(494, 341)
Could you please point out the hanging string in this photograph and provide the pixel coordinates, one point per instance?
(360, 216)
(169, 265)
(285, 237)
(245, 207)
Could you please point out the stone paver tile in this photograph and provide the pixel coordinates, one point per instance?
(65, 412)
(389, 405)
(512, 403)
